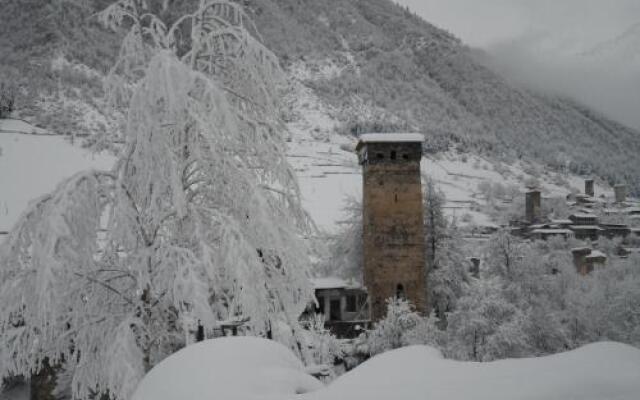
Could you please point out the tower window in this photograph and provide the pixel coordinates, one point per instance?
(379, 156)
(393, 154)
(396, 197)
(405, 156)
(400, 291)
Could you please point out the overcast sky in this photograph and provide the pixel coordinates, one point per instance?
(540, 42)
(482, 23)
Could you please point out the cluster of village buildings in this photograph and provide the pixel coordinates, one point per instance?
(591, 218)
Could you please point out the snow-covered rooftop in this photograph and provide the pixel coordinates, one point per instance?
(597, 254)
(332, 282)
(583, 215)
(552, 231)
(391, 137)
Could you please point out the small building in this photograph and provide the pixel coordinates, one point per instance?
(615, 230)
(584, 200)
(596, 258)
(561, 223)
(344, 305)
(583, 232)
(546, 233)
(586, 260)
(620, 192)
(584, 219)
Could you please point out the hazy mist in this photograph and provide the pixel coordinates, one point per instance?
(571, 48)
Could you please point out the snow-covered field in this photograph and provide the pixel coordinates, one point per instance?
(250, 368)
(32, 163)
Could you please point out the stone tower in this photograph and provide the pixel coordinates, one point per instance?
(533, 206)
(588, 187)
(620, 191)
(393, 225)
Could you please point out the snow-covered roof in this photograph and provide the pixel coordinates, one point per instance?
(391, 137)
(332, 282)
(553, 231)
(583, 215)
(597, 254)
(585, 228)
(561, 222)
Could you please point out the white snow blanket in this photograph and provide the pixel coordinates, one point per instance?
(33, 162)
(237, 368)
(251, 369)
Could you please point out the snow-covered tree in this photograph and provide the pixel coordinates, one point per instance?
(447, 277)
(323, 345)
(390, 332)
(345, 247)
(199, 221)
(485, 326)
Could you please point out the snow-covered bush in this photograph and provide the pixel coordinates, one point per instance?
(391, 332)
(324, 347)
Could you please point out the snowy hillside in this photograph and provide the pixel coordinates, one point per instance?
(249, 368)
(33, 162)
(389, 70)
(329, 174)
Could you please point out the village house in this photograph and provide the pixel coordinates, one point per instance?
(343, 305)
(586, 260)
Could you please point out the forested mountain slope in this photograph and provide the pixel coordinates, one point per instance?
(422, 78)
(385, 70)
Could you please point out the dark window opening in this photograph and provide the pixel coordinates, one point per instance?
(405, 156)
(334, 310)
(393, 154)
(320, 308)
(396, 197)
(352, 305)
(379, 156)
(362, 300)
(400, 291)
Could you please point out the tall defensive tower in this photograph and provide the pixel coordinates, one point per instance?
(393, 225)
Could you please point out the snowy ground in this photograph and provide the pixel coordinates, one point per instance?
(250, 369)
(32, 163)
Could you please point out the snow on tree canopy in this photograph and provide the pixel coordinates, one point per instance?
(252, 369)
(198, 222)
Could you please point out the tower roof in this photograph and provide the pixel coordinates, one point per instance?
(391, 138)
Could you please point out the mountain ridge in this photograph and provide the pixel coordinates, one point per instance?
(430, 81)
(392, 71)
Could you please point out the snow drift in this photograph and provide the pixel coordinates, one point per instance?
(241, 368)
(250, 368)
